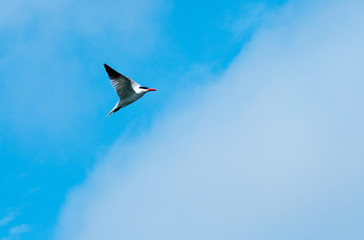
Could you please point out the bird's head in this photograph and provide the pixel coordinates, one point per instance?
(147, 89)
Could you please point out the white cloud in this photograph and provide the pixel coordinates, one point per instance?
(17, 231)
(8, 218)
(272, 151)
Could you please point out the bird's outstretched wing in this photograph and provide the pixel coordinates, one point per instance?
(123, 85)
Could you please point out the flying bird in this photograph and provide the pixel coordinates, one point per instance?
(127, 90)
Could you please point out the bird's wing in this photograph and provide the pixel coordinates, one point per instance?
(123, 85)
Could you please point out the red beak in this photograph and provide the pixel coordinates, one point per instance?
(151, 89)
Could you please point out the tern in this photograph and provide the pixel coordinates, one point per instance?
(127, 90)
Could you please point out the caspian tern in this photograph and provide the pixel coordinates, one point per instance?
(127, 90)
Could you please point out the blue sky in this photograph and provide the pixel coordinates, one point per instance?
(255, 131)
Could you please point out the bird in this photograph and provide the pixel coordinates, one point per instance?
(127, 90)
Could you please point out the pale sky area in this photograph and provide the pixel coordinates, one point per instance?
(256, 131)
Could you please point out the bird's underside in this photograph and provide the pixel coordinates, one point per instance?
(122, 103)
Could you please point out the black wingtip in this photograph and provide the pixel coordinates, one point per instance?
(111, 72)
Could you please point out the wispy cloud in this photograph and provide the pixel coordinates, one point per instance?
(17, 231)
(45, 79)
(51, 56)
(8, 218)
(272, 151)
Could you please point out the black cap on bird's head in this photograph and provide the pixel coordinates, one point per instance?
(148, 89)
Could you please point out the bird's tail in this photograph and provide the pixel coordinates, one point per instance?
(116, 108)
(111, 112)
